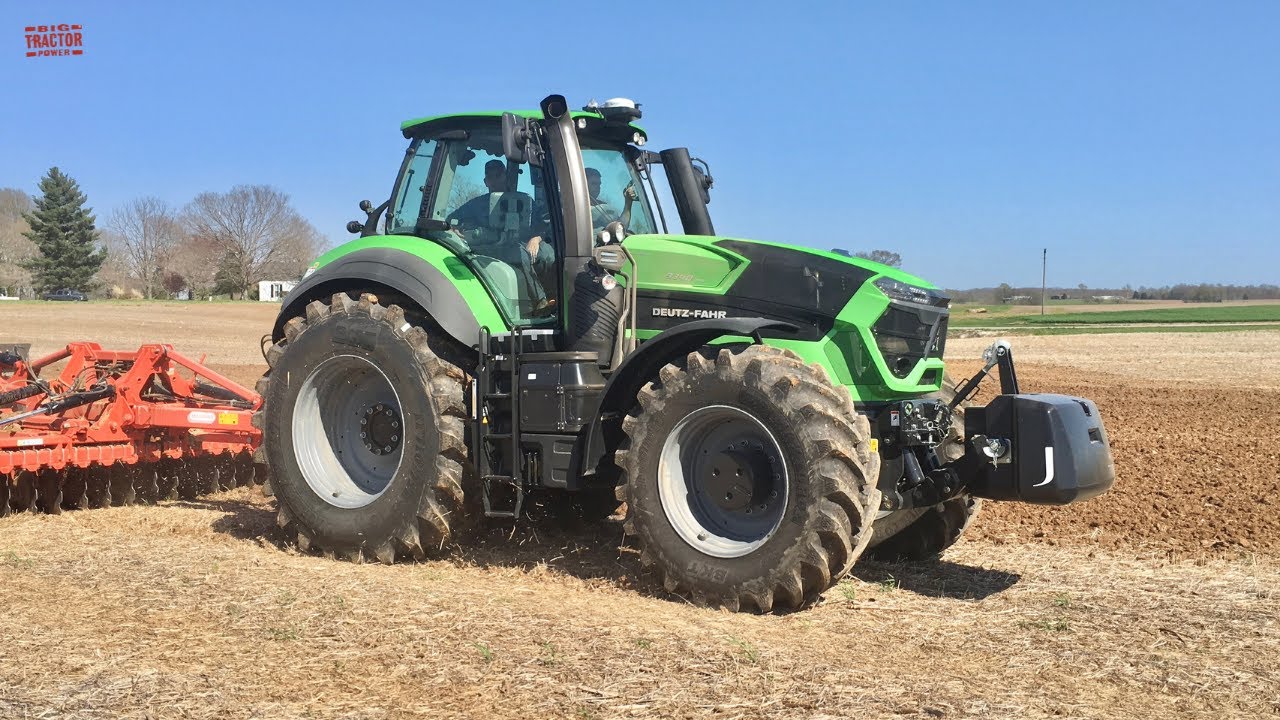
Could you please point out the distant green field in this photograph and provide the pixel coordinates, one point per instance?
(1001, 308)
(223, 299)
(1127, 329)
(1200, 314)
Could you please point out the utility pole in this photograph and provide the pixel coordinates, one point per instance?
(1044, 266)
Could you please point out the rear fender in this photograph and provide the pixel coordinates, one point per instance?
(444, 287)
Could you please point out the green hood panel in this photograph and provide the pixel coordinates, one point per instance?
(830, 296)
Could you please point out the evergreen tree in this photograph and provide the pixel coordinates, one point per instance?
(63, 232)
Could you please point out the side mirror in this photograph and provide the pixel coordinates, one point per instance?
(515, 138)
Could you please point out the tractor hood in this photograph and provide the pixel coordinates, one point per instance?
(769, 279)
(877, 328)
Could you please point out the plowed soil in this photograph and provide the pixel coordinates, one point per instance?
(1194, 424)
(1159, 599)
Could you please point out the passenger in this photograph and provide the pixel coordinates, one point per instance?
(602, 213)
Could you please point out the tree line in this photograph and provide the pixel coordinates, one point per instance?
(220, 243)
(1185, 292)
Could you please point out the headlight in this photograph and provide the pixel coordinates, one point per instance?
(897, 290)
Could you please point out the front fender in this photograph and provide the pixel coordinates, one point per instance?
(428, 274)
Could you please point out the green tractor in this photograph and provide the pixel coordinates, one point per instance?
(521, 323)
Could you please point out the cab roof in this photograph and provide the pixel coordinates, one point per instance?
(422, 126)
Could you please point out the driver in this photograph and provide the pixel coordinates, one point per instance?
(476, 212)
(499, 223)
(602, 213)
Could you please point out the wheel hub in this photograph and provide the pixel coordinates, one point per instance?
(348, 433)
(739, 479)
(380, 429)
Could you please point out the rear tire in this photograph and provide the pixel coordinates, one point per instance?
(921, 534)
(373, 471)
(748, 479)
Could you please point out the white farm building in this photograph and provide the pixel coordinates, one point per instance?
(274, 290)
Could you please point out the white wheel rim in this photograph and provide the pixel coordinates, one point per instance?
(706, 508)
(337, 463)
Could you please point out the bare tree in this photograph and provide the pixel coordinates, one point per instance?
(195, 261)
(884, 257)
(256, 231)
(145, 231)
(15, 247)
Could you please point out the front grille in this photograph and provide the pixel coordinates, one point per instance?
(908, 333)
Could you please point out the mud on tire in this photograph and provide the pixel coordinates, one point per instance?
(801, 421)
(375, 471)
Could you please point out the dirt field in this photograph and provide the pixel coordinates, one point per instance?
(1160, 599)
(227, 333)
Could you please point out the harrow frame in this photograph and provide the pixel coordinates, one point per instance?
(124, 411)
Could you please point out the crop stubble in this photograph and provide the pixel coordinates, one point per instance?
(1158, 599)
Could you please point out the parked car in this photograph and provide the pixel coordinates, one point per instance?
(66, 294)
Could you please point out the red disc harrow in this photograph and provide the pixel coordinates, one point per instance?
(116, 428)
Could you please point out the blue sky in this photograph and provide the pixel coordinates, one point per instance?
(1138, 141)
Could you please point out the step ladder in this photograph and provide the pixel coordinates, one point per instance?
(484, 441)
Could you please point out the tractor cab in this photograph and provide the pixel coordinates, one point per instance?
(498, 202)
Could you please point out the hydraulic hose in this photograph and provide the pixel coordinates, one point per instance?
(22, 393)
(65, 403)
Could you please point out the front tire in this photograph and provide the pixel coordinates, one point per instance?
(364, 429)
(748, 479)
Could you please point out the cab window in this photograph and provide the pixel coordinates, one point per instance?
(616, 191)
(492, 213)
